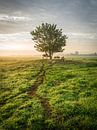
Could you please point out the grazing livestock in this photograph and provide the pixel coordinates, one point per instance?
(56, 57)
(45, 56)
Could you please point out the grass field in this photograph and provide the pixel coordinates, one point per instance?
(38, 95)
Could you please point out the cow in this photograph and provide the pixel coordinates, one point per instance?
(45, 56)
(56, 57)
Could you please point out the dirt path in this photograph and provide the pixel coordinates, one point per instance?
(46, 106)
(44, 101)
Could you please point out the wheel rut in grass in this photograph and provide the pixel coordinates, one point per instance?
(43, 100)
(39, 80)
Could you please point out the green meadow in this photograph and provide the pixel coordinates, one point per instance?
(40, 95)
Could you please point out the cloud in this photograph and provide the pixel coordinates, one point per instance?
(23, 36)
(16, 41)
(8, 18)
(89, 36)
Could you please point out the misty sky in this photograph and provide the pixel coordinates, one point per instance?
(77, 18)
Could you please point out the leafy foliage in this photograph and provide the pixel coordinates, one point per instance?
(49, 39)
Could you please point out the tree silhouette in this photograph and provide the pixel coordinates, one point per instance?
(48, 39)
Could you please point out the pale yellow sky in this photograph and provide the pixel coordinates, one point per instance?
(27, 47)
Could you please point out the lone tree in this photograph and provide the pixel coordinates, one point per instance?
(49, 39)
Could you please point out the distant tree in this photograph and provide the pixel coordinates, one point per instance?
(76, 53)
(49, 39)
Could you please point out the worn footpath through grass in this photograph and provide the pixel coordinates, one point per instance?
(32, 92)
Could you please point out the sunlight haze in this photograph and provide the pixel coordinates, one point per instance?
(77, 18)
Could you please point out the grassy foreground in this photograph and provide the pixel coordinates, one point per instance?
(58, 96)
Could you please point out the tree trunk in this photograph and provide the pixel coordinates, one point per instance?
(50, 57)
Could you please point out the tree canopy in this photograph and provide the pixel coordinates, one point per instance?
(49, 39)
